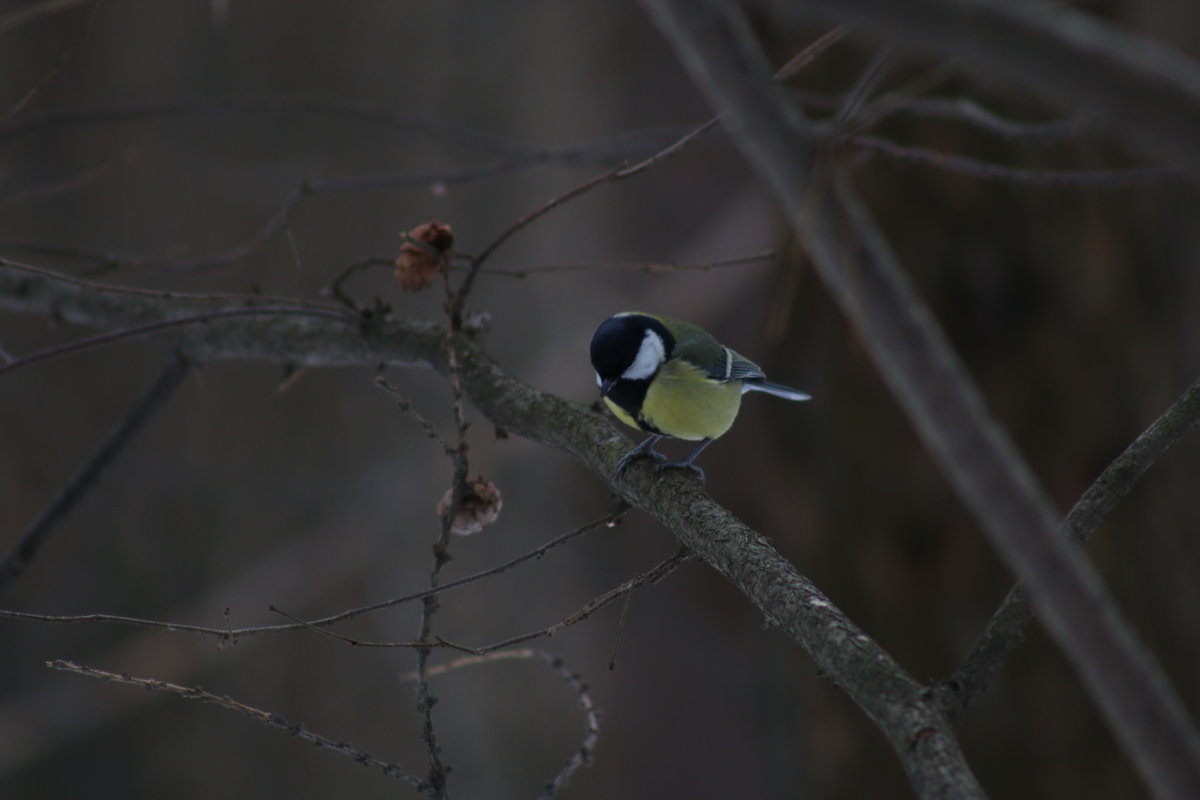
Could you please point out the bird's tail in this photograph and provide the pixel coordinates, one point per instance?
(786, 392)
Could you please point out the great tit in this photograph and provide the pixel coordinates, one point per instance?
(670, 378)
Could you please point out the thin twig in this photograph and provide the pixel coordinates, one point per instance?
(77, 181)
(459, 296)
(857, 97)
(266, 104)
(963, 165)
(601, 151)
(405, 405)
(583, 754)
(57, 67)
(612, 658)
(652, 575)
(472, 660)
(438, 769)
(636, 266)
(265, 717)
(609, 520)
(335, 287)
(426, 645)
(22, 553)
(798, 62)
(350, 640)
(624, 172)
(967, 110)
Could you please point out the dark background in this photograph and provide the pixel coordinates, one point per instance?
(1073, 308)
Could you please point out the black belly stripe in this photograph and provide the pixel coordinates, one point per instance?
(647, 427)
(630, 395)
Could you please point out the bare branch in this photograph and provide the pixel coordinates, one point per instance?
(455, 305)
(265, 717)
(76, 181)
(68, 51)
(891, 697)
(161, 388)
(923, 372)
(653, 575)
(1004, 630)
(609, 520)
(583, 754)
(974, 168)
(624, 172)
(1148, 93)
(512, 157)
(635, 266)
(964, 109)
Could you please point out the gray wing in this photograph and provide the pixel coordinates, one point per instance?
(736, 367)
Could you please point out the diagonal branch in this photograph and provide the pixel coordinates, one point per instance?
(259, 715)
(1004, 630)
(156, 396)
(903, 708)
(913, 356)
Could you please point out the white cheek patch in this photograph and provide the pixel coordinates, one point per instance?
(650, 357)
(599, 380)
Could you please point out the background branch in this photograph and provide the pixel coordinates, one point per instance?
(947, 411)
(1145, 91)
(1005, 628)
(160, 390)
(259, 715)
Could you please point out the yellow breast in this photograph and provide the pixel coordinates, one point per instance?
(682, 402)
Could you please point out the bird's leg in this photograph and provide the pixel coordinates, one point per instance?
(687, 462)
(646, 448)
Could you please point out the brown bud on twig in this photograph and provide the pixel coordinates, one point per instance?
(480, 507)
(423, 255)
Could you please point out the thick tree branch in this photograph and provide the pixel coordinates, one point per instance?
(851, 256)
(905, 710)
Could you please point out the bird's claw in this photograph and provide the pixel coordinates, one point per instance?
(660, 460)
(664, 464)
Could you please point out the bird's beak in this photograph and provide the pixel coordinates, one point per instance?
(606, 387)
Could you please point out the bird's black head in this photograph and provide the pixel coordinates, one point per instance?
(629, 347)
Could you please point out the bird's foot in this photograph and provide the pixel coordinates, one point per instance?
(682, 464)
(659, 459)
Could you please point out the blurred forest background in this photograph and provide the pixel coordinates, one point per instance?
(1073, 307)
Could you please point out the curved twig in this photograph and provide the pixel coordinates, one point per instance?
(265, 717)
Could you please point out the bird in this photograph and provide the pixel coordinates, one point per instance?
(673, 379)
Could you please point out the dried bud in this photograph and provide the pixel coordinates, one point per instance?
(423, 254)
(480, 508)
